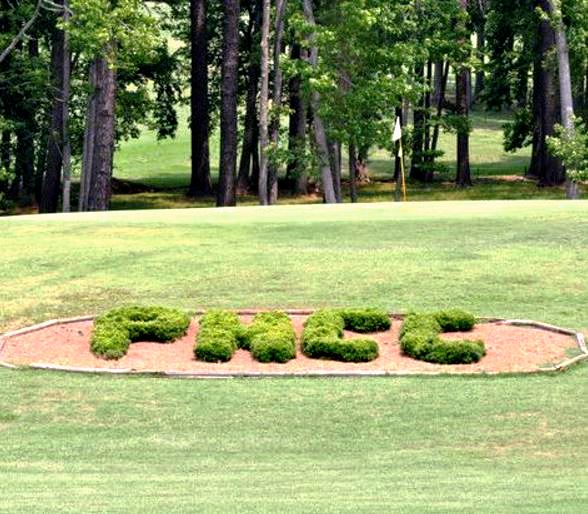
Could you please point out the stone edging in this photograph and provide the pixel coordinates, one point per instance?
(579, 337)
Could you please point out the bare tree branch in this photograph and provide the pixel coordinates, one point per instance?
(22, 32)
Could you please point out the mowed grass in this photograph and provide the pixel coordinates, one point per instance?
(75, 444)
(524, 259)
(444, 444)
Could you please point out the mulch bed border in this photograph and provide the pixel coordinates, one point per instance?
(579, 337)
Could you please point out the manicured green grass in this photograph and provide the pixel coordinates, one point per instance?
(445, 444)
(495, 258)
(75, 444)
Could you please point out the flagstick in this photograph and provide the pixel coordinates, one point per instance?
(400, 180)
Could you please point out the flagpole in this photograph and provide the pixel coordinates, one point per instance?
(397, 138)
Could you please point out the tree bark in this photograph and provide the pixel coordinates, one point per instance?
(89, 136)
(297, 128)
(352, 172)
(229, 75)
(66, 164)
(276, 97)
(335, 163)
(463, 175)
(544, 166)
(264, 106)
(416, 167)
(103, 144)
(200, 183)
(565, 79)
(441, 77)
(251, 129)
(318, 125)
(52, 177)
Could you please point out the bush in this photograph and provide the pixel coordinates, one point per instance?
(322, 338)
(419, 338)
(455, 320)
(365, 320)
(271, 337)
(114, 331)
(218, 337)
(326, 319)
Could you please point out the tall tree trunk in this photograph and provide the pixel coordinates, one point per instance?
(89, 137)
(416, 168)
(544, 166)
(440, 101)
(52, 178)
(563, 61)
(297, 128)
(335, 163)
(318, 125)
(565, 86)
(276, 97)
(200, 183)
(353, 172)
(463, 175)
(66, 165)
(230, 74)
(251, 130)
(103, 144)
(264, 106)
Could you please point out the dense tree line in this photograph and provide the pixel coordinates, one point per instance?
(293, 86)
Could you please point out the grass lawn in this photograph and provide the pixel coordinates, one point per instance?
(98, 444)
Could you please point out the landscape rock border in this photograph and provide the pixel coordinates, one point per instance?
(578, 336)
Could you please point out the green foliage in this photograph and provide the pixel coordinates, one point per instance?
(322, 337)
(455, 320)
(218, 336)
(114, 331)
(326, 319)
(365, 320)
(271, 337)
(571, 146)
(518, 133)
(419, 337)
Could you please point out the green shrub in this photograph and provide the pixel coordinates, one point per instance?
(219, 336)
(455, 320)
(419, 321)
(322, 338)
(365, 320)
(114, 331)
(271, 337)
(326, 318)
(419, 338)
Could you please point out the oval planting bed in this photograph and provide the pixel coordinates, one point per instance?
(326, 342)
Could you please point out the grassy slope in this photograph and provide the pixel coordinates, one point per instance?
(496, 258)
(74, 443)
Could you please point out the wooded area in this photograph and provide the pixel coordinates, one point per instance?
(297, 87)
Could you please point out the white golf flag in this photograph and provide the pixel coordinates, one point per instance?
(397, 135)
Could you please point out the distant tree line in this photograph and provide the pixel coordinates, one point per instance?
(294, 86)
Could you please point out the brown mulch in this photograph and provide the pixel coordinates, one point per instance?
(509, 349)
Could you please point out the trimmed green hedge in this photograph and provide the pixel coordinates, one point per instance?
(322, 337)
(271, 338)
(114, 331)
(419, 337)
(365, 320)
(219, 335)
